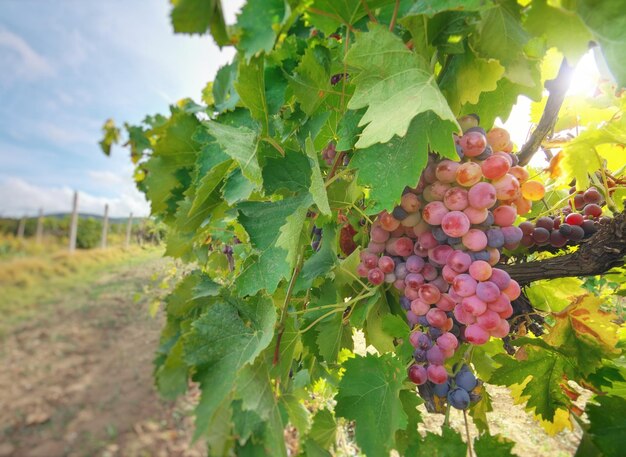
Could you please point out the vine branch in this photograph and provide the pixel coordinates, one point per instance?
(606, 249)
(557, 88)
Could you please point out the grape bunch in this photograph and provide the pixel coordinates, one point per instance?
(329, 153)
(440, 245)
(572, 226)
(316, 237)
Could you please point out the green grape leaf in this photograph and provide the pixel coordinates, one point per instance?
(245, 422)
(348, 129)
(197, 16)
(340, 12)
(369, 394)
(291, 173)
(386, 169)
(299, 416)
(317, 188)
(290, 234)
(561, 28)
(375, 333)
(487, 445)
(495, 103)
(608, 24)
(207, 185)
(546, 369)
(111, 136)
(250, 86)
(410, 402)
(393, 84)
(219, 432)
(241, 144)
(500, 35)
(237, 188)
(432, 7)
(607, 426)
(311, 81)
(554, 294)
(333, 334)
(263, 222)
(230, 334)
(320, 263)
(324, 428)
(258, 22)
(171, 376)
(444, 445)
(467, 77)
(254, 388)
(479, 411)
(224, 94)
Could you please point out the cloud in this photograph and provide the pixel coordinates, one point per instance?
(21, 60)
(20, 198)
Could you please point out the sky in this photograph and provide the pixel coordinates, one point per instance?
(65, 67)
(68, 65)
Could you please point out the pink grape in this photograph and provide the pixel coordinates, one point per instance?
(369, 260)
(439, 189)
(475, 334)
(411, 294)
(456, 199)
(429, 272)
(495, 167)
(468, 174)
(445, 303)
(379, 234)
(512, 236)
(429, 173)
(399, 284)
(427, 240)
(435, 356)
(500, 278)
(475, 240)
(494, 256)
(482, 195)
(447, 341)
(414, 338)
(376, 248)
(437, 374)
(455, 224)
(386, 264)
(512, 290)
(376, 276)
(504, 215)
(410, 221)
(414, 264)
(476, 215)
(434, 212)
(474, 305)
(500, 304)
(507, 187)
(429, 294)
(489, 320)
(446, 171)
(508, 312)
(362, 270)
(464, 285)
(439, 254)
(418, 374)
(505, 156)
(459, 261)
(436, 317)
(463, 316)
(390, 278)
(501, 330)
(473, 143)
(388, 222)
(410, 202)
(419, 307)
(414, 280)
(487, 291)
(480, 270)
(448, 273)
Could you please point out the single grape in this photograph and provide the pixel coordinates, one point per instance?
(455, 223)
(459, 261)
(589, 227)
(520, 173)
(482, 195)
(527, 227)
(475, 334)
(504, 215)
(436, 317)
(376, 276)
(574, 219)
(540, 235)
(557, 239)
(434, 212)
(435, 356)
(501, 330)
(579, 202)
(475, 240)
(464, 285)
(410, 202)
(495, 238)
(441, 390)
(468, 174)
(447, 341)
(592, 210)
(379, 234)
(592, 195)
(446, 171)
(418, 374)
(414, 264)
(369, 260)
(429, 294)
(489, 320)
(456, 199)
(473, 143)
(474, 305)
(476, 215)
(498, 138)
(437, 374)
(386, 264)
(487, 291)
(565, 229)
(399, 213)
(507, 187)
(500, 278)
(459, 398)
(495, 167)
(512, 290)
(466, 380)
(533, 190)
(446, 303)
(480, 270)
(577, 233)
(388, 222)
(468, 121)
(512, 235)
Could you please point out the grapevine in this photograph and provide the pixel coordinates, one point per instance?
(362, 236)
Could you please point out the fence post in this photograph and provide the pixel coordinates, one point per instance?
(74, 223)
(39, 231)
(105, 227)
(129, 229)
(20, 228)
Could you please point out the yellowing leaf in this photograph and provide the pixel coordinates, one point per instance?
(554, 294)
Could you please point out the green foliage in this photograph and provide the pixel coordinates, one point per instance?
(269, 320)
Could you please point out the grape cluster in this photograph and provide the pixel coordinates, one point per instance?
(440, 245)
(329, 153)
(316, 237)
(571, 227)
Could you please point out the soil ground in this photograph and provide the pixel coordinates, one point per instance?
(76, 377)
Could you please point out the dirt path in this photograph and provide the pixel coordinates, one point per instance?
(78, 382)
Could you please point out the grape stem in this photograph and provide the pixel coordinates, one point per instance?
(392, 24)
(467, 433)
(369, 12)
(557, 88)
